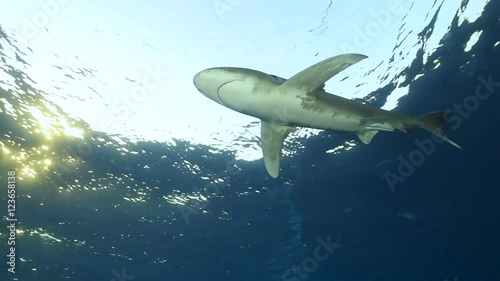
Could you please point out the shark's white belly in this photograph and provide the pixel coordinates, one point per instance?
(290, 109)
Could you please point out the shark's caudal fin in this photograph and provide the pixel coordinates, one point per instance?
(433, 122)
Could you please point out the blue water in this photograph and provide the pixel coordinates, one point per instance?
(436, 219)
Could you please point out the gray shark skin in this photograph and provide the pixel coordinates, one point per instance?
(283, 105)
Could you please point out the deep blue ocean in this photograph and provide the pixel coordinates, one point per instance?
(403, 208)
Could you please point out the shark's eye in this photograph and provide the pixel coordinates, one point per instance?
(278, 79)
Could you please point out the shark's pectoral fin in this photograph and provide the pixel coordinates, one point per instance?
(315, 76)
(272, 137)
(366, 136)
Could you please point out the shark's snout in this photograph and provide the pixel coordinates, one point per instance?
(197, 79)
(202, 83)
(209, 81)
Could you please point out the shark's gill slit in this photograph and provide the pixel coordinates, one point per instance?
(218, 93)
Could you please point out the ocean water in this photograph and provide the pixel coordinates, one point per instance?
(92, 204)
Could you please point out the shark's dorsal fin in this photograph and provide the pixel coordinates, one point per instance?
(315, 76)
(272, 137)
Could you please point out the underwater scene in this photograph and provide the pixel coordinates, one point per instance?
(250, 140)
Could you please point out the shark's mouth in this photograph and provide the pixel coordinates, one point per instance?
(220, 87)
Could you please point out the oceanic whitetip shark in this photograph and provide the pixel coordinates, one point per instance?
(283, 105)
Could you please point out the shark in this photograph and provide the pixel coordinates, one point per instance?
(284, 105)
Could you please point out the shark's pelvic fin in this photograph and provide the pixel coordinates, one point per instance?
(272, 137)
(315, 76)
(366, 136)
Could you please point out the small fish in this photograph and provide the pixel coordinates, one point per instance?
(408, 215)
(383, 162)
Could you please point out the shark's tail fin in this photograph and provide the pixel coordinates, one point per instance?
(433, 122)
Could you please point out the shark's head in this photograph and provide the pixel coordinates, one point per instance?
(210, 81)
(223, 84)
